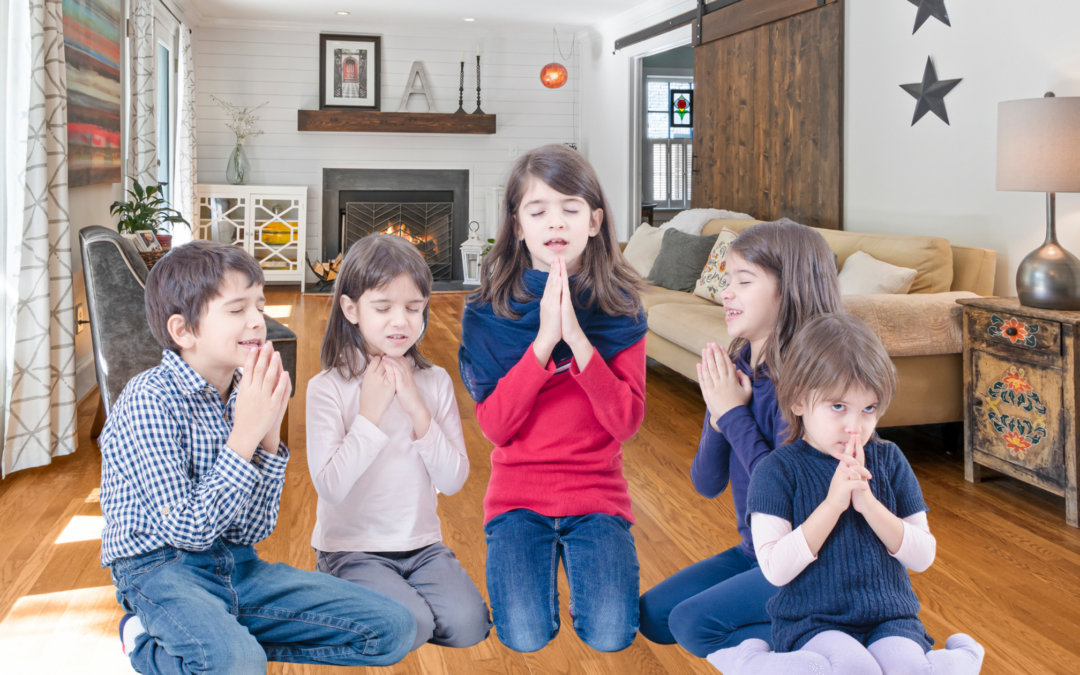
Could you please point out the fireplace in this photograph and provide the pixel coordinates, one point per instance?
(427, 207)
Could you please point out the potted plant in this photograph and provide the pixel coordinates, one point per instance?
(147, 210)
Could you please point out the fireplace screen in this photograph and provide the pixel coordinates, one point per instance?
(427, 225)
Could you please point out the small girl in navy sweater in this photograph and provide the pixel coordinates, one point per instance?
(837, 516)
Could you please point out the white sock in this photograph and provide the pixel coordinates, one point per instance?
(132, 630)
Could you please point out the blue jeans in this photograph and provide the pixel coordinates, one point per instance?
(598, 553)
(711, 605)
(224, 610)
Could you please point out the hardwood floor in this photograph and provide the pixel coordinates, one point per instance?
(1007, 569)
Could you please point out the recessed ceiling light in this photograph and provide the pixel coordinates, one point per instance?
(470, 19)
(343, 13)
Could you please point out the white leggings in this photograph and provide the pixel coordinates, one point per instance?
(837, 653)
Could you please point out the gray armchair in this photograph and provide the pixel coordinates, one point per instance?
(115, 276)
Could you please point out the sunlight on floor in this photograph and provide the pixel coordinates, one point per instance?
(82, 528)
(278, 311)
(67, 632)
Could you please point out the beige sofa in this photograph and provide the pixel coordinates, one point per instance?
(920, 330)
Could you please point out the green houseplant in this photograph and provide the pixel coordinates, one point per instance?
(147, 210)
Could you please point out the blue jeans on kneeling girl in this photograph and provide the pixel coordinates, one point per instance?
(711, 605)
(224, 610)
(600, 559)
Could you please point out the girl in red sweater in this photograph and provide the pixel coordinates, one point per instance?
(553, 352)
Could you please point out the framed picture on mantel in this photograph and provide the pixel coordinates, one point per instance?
(349, 67)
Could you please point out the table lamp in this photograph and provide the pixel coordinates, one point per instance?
(1038, 150)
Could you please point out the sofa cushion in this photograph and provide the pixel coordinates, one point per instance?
(656, 295)
(864, 274)
(930, 257)
(682, 257)
(643, 247)
(713, 279)
(690, 326)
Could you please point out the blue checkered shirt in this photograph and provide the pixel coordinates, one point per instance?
(167, 477)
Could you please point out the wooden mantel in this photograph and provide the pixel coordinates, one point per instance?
(394, 122)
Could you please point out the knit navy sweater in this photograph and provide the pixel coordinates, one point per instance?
(854, 585)
(749, 434)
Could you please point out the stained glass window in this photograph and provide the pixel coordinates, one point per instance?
(682, 108)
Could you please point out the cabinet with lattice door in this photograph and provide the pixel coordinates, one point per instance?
(1020, 382)
(269, 222)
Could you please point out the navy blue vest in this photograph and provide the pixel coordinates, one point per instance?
(854, 585)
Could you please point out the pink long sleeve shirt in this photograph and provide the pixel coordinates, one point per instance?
(558, 435)
(377, 486)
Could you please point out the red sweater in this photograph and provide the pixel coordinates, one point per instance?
(558, 437)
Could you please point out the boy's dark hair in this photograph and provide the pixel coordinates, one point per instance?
(606, 278)
(187, 278)
(371, 263)
(827, 356)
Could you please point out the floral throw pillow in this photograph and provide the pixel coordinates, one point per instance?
(714, 279)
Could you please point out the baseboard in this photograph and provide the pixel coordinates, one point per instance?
(85, 376)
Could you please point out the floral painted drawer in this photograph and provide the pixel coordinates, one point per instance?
(1021, 377)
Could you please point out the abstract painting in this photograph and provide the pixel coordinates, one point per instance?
(92, 50)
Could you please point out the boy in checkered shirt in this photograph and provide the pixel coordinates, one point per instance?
(191, 478)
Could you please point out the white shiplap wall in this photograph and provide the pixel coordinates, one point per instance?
(248, 65)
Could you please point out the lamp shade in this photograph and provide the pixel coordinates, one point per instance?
(1038, 145)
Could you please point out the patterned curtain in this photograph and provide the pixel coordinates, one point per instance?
(142, 136)
(40, 388)
(184, 182)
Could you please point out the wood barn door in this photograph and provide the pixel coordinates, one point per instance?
(768, 119)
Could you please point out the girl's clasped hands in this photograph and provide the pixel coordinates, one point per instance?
(849, 484)
(558, 320)
(723, 386)
(385, 378)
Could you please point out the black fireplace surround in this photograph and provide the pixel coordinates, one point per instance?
(341, 186)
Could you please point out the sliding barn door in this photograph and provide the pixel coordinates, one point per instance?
(768, 118)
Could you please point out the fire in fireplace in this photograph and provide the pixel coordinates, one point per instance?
(426, 225)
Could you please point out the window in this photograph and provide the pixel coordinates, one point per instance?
(164, 130)
(667, 151)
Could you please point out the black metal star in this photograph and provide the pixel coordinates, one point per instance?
(930, 94)
(930, 8)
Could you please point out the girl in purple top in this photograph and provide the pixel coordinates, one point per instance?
(779, 275)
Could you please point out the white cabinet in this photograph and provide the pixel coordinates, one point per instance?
(269, 222)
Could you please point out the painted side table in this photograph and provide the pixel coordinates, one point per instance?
(1021, 370)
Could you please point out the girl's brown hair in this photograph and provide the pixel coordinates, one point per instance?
(605, 277)
(371, 263)
(803, 265)
(829, 355)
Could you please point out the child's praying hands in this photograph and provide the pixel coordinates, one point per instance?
(407, 394)
(723, 386)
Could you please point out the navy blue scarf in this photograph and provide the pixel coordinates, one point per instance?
(491, 345)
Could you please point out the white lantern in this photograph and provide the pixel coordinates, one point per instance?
(471, 251)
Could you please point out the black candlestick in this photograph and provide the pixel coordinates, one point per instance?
(478, 111)
(461, 91)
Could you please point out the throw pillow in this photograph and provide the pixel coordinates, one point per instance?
(865, 275)
(643, 247)
(682, 257)
(713, 279)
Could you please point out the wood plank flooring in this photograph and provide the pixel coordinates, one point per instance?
(1007, 569)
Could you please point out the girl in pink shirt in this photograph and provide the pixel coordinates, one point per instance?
(383, 439)
(553, 352)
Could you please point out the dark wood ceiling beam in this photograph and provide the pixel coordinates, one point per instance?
(723, 18)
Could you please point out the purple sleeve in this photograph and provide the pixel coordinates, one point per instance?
(709, 472)
(745, 437)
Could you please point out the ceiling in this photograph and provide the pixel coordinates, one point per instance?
(488, 13)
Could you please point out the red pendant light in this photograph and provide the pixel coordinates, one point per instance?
(553, 75)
